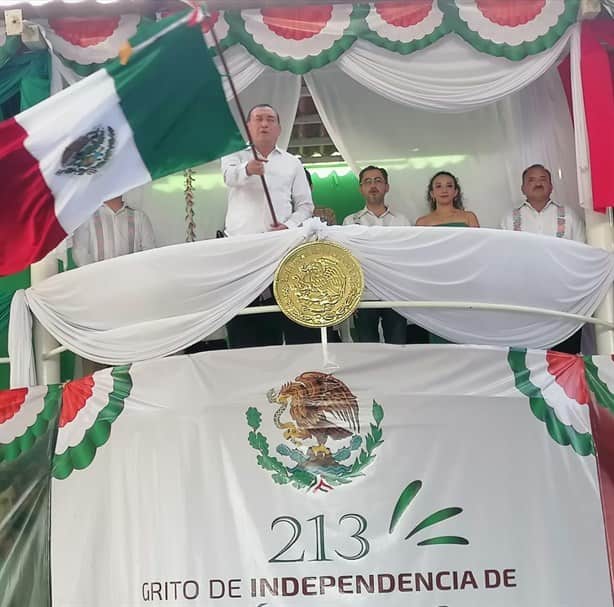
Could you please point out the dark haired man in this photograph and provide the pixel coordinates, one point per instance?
(374, 187)
(539, 213)
(248, 213)
(542, 215)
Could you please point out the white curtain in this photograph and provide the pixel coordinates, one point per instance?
(486, 148)
(581, 135)
(157, 302)
(448, 76)
(22, 368)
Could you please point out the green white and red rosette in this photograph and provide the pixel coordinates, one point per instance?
(94, 40)
(511, 29)
(25, 414)
(90, 406)
(298, 39)
(558, 394)
(85, 45)
(600, 377)
(404, 27)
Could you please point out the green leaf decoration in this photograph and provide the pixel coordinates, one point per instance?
(406, 497)
(258, 441)
(254, 418)
(445, 539)
(378, 413)
(433, 519)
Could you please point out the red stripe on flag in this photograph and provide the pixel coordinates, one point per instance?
(29, 228)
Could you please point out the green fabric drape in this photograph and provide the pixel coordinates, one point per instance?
(5, 305)
(27, 75)
(10, 48)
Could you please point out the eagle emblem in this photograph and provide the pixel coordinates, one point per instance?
(319, 419)
(88, 153)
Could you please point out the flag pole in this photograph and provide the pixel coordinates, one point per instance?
(220, 52)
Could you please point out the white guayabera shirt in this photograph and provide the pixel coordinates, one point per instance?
(365, 217)
(554, 219)
(109, 234)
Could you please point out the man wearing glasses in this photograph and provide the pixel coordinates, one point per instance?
(374, 187)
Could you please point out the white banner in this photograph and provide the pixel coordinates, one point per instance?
(428, 476)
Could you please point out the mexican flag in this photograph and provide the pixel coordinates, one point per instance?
(121, 127)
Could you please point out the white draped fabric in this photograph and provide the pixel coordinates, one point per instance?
(22, 369)
(580, 131)
(157, 302)
(448, 76)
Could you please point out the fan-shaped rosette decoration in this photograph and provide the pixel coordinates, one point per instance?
(404, 27)
(90, 406)
(25, 414)
(298, 39)
(215, 20)
(86, 41)
(558, 393)
(600, 378)
(511, 29)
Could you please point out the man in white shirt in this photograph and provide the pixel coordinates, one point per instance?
(374, 186)
(248, 213)
(540, 214)
(115, 229)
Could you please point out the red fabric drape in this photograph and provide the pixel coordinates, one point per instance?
(565, 75)
(599, 108)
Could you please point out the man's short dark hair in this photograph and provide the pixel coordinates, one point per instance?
(249, 114)
(536, 166)
(383, 171)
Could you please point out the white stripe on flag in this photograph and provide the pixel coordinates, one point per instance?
(54, 125)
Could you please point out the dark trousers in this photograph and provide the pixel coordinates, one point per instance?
(270, 329)
(394, 326)
(572, 345)
(417, 334)
(206, 346)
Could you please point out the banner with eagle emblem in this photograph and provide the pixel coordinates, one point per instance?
(449, 475)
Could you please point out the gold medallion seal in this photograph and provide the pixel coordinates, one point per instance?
(318, 284)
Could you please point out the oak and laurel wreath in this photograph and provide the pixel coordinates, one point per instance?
(300, 478)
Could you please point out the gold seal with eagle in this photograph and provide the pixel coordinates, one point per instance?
(318, 284)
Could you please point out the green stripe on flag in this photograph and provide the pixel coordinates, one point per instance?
(172, 97)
